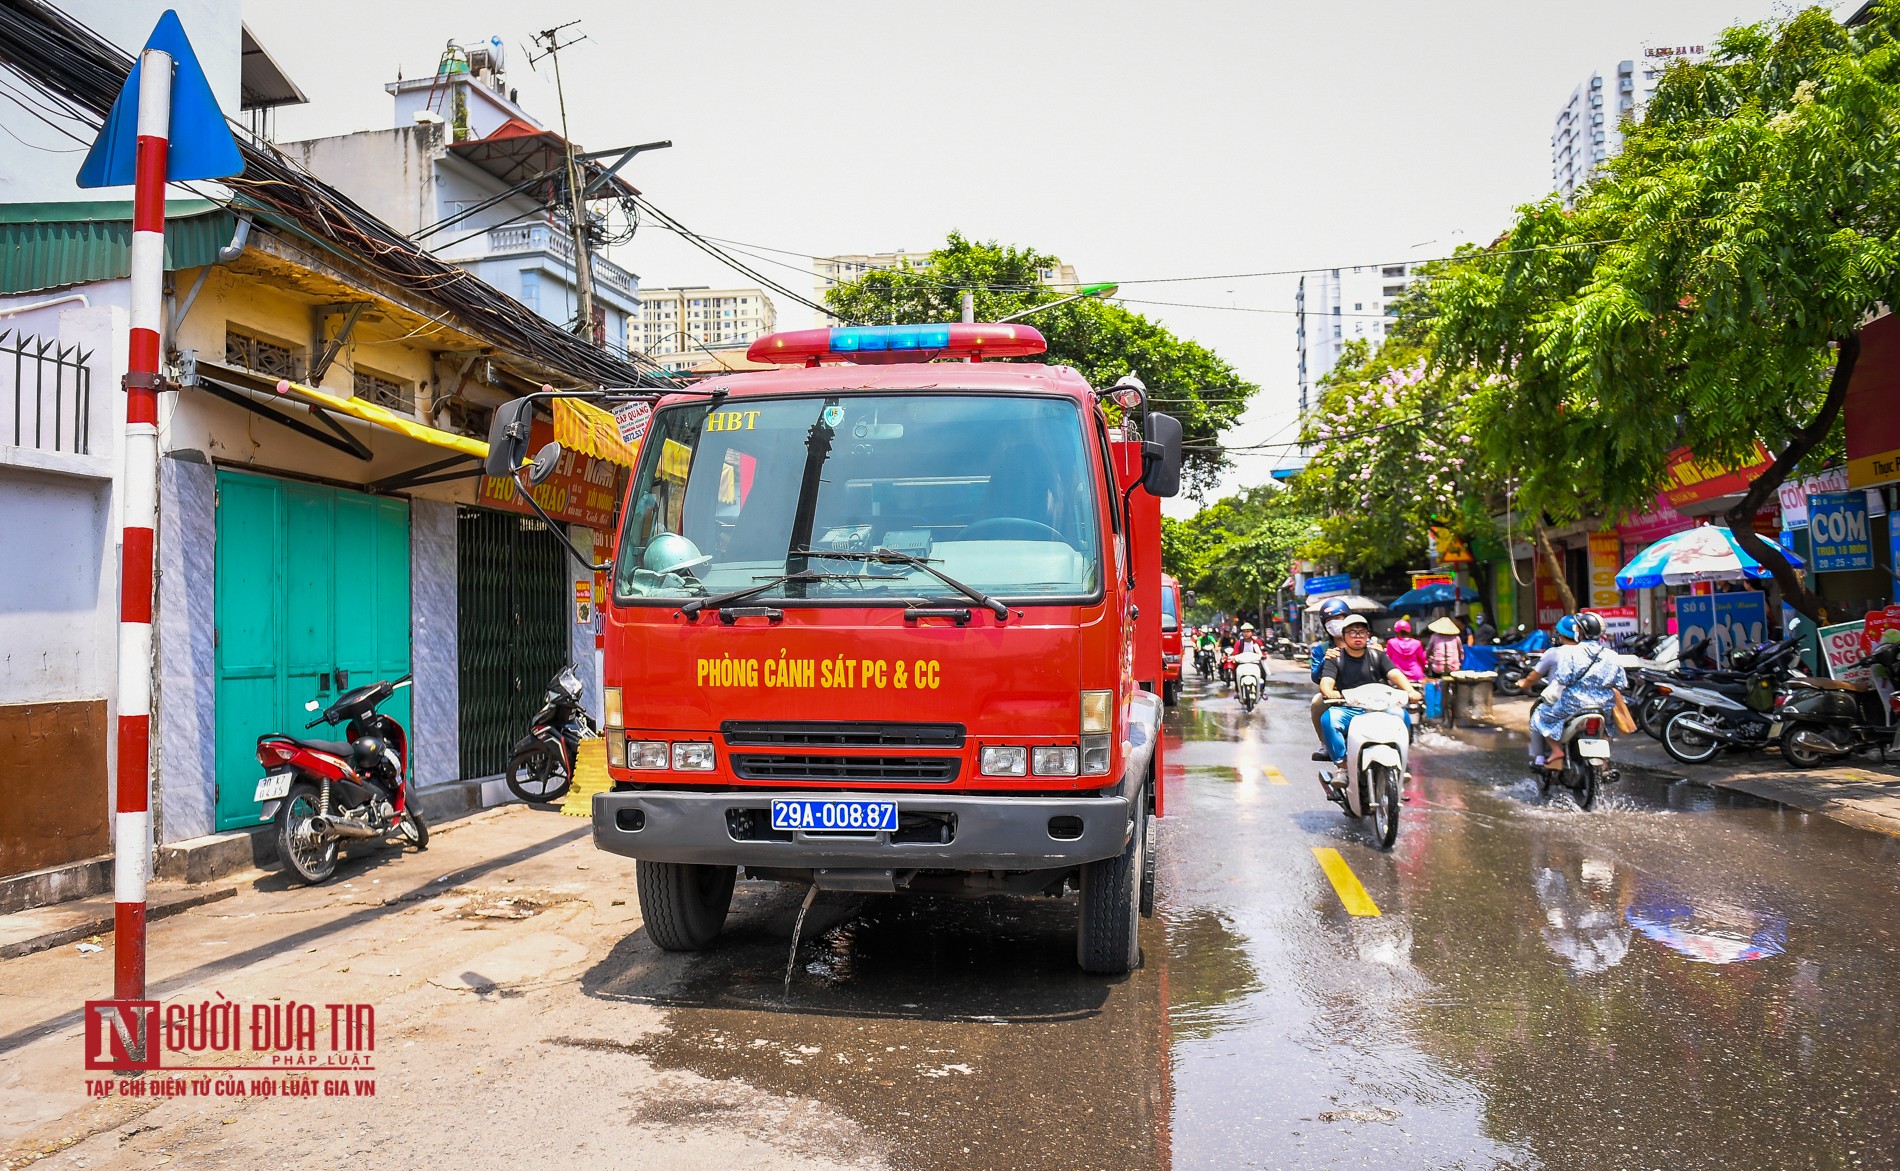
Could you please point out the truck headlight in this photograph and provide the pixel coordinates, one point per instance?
(1095, 756)
(693, 756)
(647, 754)
(1005, 760)
(1059, 760)
(611, 705)
(1098, 711)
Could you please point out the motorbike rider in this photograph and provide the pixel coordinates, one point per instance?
(1590, 676)
(1356, 665)
(1406, 651)
(1249, 641)
(1332, 612)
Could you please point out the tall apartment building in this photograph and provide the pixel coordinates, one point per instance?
(1339, 305)
(676, 323)
(836, 270)
(1589, 127)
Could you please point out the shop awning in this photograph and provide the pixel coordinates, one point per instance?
(582, 427)
(356, 408)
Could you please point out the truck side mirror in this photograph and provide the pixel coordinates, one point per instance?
(1161, 454)
(545, 462)
(508, 437)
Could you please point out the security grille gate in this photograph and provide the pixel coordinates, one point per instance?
(512, 630)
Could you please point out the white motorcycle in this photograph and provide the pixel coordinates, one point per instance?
(1248, 679)
(1372, 777)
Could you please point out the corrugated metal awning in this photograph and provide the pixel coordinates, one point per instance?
(53, 245)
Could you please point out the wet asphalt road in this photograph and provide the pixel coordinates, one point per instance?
(1677, 979)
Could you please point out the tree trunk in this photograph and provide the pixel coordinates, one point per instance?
(1741, 518)
(1555, 567)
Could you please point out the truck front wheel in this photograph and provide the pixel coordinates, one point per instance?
(1109, 918)
(684, 905)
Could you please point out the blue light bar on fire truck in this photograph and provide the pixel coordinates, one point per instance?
(897, 343)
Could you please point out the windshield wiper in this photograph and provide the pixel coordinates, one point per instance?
(691, 609)
(895, 557)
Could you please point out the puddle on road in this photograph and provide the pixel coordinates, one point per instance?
(1683, 970)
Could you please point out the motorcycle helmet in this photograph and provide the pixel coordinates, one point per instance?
(1567, 627)
(672, 553)
(1402, 626)
(1589, 627)
(1246, 628)
(1333, 609)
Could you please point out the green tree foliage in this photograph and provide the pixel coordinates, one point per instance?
(1391, 458)
(1235, 552)
(1708, 292)
(1102, 341)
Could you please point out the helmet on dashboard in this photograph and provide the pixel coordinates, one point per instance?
(672, 553)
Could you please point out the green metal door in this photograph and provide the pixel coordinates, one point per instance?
(312, 598)
(512, 633)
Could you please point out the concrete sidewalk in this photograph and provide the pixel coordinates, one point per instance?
(1863, 794)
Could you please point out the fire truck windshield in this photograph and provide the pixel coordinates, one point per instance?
(997, 491)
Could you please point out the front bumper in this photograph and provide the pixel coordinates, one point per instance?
(991, 832)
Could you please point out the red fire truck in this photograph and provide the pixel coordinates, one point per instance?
(1170, 639)
(886, 622)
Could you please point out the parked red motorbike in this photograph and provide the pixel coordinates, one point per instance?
(322, 792)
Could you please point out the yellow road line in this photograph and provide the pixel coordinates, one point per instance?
(1351, 892)
(1275, 776)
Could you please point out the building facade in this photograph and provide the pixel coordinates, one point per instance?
(1589, 125)
(308, 540)
(457, 173)
(678, 326)
(1340, 305)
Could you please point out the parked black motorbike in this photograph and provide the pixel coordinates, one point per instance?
(1513, 666)
(1708, 717)
(1829, 718)
(541, 767)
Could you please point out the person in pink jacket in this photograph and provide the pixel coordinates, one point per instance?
(1406, 652)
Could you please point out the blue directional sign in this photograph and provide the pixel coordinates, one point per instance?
(1838, 531)
(201, 144)
(1332, 583)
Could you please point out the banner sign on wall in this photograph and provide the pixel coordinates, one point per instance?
(1840, 646)
(1731, 621)
(1838, 532)
(1872, 425)
(1689, 480)
(1550, 600)
(1332, 583)
(1606, 557)
(1646, 528)
(1617, 620)
(1794, 497)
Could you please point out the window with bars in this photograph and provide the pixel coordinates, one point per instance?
(264, 355)
(383, 390)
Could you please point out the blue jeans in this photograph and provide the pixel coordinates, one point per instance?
(1333, 729)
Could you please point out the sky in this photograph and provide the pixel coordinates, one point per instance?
(1137, 141)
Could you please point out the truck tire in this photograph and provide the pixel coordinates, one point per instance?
(1108, 921)
(684, 905)
(1171, 692)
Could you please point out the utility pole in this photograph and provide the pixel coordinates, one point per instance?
(577, 205)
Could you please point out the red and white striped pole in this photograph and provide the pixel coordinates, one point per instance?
(138, 508)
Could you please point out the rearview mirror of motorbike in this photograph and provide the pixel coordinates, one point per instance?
(1161, 454)
(508, 436)
(545, 461)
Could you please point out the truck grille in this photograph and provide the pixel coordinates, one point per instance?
(841, 734)
(845, 768)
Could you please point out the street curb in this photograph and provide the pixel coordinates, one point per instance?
(101, 924)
